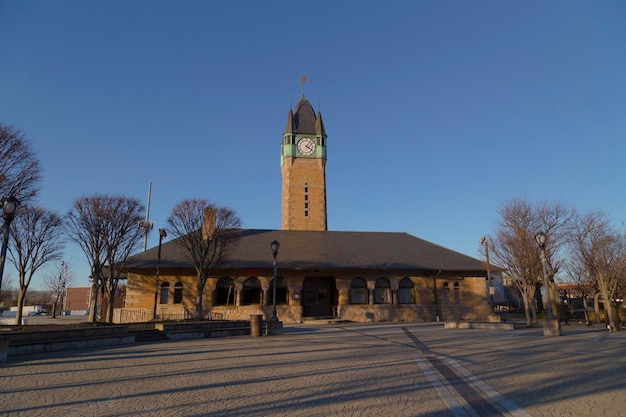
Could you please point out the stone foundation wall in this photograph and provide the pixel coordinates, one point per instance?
(286, 314)
(382, 313)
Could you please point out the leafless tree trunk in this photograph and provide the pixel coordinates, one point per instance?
(514, 246)
(20, 170)
(207, 232)
(7, 292)
(57, 283)
(529, 306)
(602, 250)
(596, 307)
(37, 239)
(123, 238)
(584, 284)
(106, 229)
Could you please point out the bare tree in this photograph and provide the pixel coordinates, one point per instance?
(555, 220)
(207, 232)
(123, 238)
(57, 283)
(7, 293)
(578, 276)
(601, 250)
(105, 228)
(514, 246)
(38, 298)
(20, 170)
(37, 238)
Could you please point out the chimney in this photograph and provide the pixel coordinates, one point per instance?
(208, 225)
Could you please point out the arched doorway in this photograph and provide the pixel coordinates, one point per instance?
(319, 297)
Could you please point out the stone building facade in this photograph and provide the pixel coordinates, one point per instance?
(357, 276)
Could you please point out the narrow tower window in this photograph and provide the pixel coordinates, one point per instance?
(306, 199)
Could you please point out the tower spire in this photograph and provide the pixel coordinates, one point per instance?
(303, 168)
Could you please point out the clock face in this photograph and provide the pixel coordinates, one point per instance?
(306, 146)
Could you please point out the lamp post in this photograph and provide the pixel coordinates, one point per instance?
(551, 325)
(63, 298)
(275, 246)
(9, 206)
(484, 241)
(162, 234)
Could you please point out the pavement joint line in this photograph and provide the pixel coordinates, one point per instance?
(466, 393)
(500, 401)
(445, 391)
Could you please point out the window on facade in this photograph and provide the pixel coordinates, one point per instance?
(165, 293)
(281, 292)
(405, 291)
(457, 292)
(446, 292)
(251, 291)
(382, 291)
(178, 293)
(358, 291)
(225, 292)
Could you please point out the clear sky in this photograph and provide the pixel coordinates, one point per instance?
(436, 111)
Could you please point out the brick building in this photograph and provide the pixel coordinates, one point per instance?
(76, 300)
(359, 276)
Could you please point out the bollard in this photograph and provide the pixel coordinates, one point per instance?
(255, 324)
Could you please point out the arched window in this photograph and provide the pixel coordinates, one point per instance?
(251, 291)
(382, 291)
(225, 292)
(281, 291)
(358, 291)
(446, 292)
(178, 293)
(405, 291)
(457, 292)
(165, 293)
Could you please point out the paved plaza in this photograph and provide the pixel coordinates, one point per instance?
(399, 369)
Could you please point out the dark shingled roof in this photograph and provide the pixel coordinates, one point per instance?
(323, 250)
(304, 119)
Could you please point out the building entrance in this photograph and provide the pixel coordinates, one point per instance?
(319, 297)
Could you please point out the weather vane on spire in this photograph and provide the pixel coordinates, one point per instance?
(303, 80)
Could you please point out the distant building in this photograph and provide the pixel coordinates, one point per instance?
(358, 276)
(76, 300)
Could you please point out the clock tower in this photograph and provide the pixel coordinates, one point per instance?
(303, 168)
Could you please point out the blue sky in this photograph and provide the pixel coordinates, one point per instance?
(436, 112)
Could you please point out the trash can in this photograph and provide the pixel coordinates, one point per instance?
(255, 324)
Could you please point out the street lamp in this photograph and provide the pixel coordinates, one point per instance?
(484, 241)
(162, 234)
(9, 206)
(551, 325)
(275, 246)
